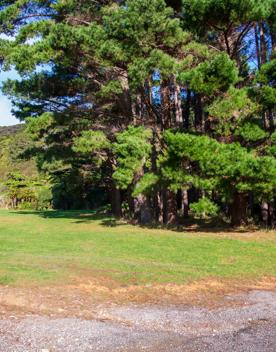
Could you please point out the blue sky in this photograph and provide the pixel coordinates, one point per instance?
(6, 118)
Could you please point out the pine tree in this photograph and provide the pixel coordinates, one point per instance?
(111, 90)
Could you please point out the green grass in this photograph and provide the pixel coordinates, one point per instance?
(45, 247)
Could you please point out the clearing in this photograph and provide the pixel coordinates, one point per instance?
(77, 281)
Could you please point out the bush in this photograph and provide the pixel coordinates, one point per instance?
(26, 206)
(204, 208)
(44, 198)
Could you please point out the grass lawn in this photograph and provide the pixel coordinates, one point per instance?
(51, 247)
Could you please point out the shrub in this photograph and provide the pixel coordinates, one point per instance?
(204, 208)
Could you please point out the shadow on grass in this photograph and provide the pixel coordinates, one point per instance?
(193, 225)
(80, 216)
(106, 219)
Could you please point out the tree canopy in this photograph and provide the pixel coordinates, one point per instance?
(167, 107)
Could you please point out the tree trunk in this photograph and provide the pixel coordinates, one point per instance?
(239, 210)
(142, 210)
(158, 207)
(187, 110)
(169, 207)
(268, 214)
(157, 195)
(257, 44)
(263, 45)
(265, 212)
(116, 203)
(126, 103)
(198, 112)
(183, 203)
(271, 120)
(177, 103)
(273, 41)
(165, 105)
(130, 201)
(273, 213)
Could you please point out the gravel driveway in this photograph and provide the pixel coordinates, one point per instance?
(249, 325)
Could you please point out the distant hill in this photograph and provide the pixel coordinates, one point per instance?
(13, 143)
(10, 130)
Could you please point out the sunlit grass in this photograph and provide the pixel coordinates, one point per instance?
(39, 248)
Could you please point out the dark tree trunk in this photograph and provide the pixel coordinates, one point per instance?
(169, 207)
(187, 110)
(268, 214)
(263, 45)
(273, 213)
(165, 105)
(239, 210)
(265, 212)
(130, 201)
(169, 198)
(116, 202)
(198, 112)
(271, 120)
(257, 44)
(157, 199)
(273, 42)
(143, 210)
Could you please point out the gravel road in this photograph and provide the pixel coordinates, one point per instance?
(249, 324)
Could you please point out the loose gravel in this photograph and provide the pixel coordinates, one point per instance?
(249, 325)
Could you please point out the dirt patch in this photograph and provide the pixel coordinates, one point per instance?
(80, 298)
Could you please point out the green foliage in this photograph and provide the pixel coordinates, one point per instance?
(207, 13)
(14, 144)
(44, 198)
(267, 73)
(211, 76)
(204, 208)
(251, 132)
(37, 126)
(267, 97)
(231, 110)
(93, 143)
(140, 24)
(90, 142)
(146, 184)
(27, 193)
(235, 104)
(110, 89)
(266, 88)
(224, 167)
(132, 150)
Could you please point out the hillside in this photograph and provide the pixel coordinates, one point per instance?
(10, 130)
(13, 141)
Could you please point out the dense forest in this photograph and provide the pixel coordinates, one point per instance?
(163, 109)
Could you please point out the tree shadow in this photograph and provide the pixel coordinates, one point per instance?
(213, 225)
(80, 216)
(191, 225)
(202, 226)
